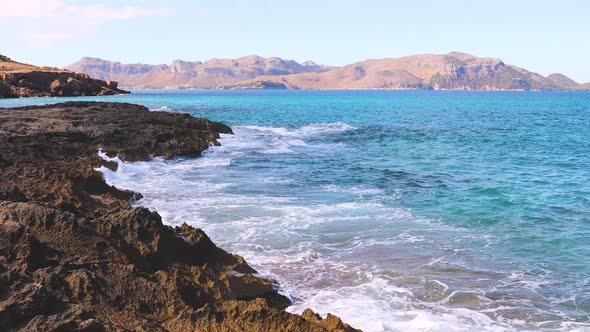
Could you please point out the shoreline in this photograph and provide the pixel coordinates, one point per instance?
(100, 263)
(368, 89)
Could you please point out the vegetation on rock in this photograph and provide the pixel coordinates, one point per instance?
(4, 58)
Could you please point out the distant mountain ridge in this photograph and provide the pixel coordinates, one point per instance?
(213, 73)
(453, 71)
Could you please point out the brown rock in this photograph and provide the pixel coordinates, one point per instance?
(37, 83)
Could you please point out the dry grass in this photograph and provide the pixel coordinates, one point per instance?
(12, 66)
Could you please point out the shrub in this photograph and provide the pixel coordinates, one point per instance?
(5, 58)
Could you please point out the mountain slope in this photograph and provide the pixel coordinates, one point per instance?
(453, 71)
(212, 73)
(562, 80)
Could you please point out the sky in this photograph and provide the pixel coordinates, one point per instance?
(543, 36)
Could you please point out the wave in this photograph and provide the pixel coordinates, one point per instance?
(314, 129)
(379, 305)
(161, 109)
(333, 247)
(283, 140)
(323, 128)
(245, 224)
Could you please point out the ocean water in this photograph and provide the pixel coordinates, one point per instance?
(395, 210)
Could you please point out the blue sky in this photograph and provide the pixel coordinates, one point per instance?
(543, 36)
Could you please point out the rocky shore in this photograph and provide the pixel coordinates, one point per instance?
(75, 256)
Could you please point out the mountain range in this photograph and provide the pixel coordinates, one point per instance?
(213, 73)
(452, 71)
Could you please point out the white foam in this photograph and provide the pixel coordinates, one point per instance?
(280, 239)
(377, 305)
(356, 190)
(161, 109)
(311, 247)
(322, 128)
(315, 129)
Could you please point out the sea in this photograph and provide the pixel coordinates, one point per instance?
(395, 210)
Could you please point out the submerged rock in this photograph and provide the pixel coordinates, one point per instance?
(75, 256)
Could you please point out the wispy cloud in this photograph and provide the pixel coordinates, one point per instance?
(44, 39)
(71, 17)
(58, 9)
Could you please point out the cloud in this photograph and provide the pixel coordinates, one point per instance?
(60, 10)
(30, 8)
(70, 20)
(44, 39)
(125, 13)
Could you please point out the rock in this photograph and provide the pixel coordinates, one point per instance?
(6, 91)
(37, 83)
(112, 85)
(75, 256)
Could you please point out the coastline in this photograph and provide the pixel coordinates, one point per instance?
(77, 256)
(132, 88)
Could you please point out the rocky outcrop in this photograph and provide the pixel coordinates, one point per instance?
(38, 83)
(75, 256)
(24, 80)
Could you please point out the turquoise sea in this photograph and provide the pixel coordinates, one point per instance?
(396, 210)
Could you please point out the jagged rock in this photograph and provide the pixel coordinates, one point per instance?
(36, 83)
(74, 256)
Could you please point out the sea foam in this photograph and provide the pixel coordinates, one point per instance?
(328, 246)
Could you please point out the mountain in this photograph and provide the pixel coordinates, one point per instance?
(213, 73)
(453, 71)
(562, 80)
(24, 80)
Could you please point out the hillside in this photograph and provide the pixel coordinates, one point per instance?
(213, 73)
(25, 80)
(453, 71)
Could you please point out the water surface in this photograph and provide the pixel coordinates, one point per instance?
(396, 210)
